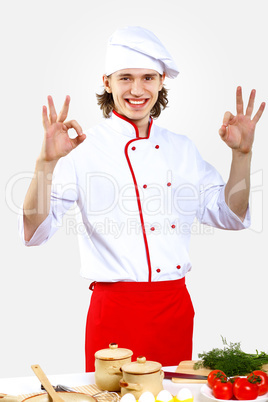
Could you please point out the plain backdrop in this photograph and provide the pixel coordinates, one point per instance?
(57, 47)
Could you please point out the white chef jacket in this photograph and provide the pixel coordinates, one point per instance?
(137, 200)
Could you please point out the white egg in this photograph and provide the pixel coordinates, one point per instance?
(128, 398)
(164, 396)
(147, 396)
(183, 394)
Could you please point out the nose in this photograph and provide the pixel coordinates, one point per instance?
(137, 88)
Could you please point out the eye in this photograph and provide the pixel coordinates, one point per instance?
(148, 78)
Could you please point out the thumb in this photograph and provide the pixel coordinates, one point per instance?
(223, 131)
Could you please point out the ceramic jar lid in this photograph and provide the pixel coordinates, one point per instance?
(113, 353)
(141, 366)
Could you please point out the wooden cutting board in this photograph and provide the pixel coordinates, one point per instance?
(187, 367)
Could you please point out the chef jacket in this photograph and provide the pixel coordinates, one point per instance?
(138, 199)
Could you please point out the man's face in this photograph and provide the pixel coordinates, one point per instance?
(135, 91)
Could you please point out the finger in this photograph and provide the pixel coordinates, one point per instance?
(78, 140)
(239, 101)
(52, 110)
(45, 118)
(65, 109)
(75, 125)
(251, 103)
(257, 116)
(228, 116)
(223, 131)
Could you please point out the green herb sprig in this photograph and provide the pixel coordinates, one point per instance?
(231, 360)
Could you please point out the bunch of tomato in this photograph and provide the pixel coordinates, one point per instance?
(241, 388)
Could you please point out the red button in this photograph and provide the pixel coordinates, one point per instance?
(157, 146)
(152, 228)
(158, 270)
(173, 226)
(145, 186)
(178, 266)
(133, 148)
(169, 184)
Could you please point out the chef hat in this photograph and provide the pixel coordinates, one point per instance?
(136, 47)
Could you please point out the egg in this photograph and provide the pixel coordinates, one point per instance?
(164, 396)
(147, 396)
(128, 398)
(184, 395)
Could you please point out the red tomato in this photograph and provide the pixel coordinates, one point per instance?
(217, 375)
(222, 390)
(263, 384)
(243, 389)
(233, 380)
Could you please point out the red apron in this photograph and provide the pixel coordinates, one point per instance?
(153, 319)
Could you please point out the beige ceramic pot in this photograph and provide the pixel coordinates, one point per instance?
(141, 376)
(108, 363)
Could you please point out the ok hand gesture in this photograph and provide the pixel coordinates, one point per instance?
(238, 131)
(57, 142)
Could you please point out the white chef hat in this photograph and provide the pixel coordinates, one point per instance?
(136, 47)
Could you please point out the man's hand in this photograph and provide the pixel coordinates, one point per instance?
(57, 142)
(238, 131)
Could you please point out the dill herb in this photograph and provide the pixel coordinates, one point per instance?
(231, 360)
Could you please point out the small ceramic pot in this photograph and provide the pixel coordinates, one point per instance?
(141, 376)
(108, 363)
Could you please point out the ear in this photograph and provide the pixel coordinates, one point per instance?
(162, 79)
(106, 83)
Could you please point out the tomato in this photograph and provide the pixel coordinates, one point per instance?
(263, 384)
(217, 375)
(233, 380)
(222, 390)
(244, 389)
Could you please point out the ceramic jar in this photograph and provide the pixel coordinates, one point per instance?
(141, 376)
(108, 363)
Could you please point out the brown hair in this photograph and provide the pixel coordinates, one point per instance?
(106, 103)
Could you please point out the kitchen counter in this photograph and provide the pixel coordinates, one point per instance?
(31, 384)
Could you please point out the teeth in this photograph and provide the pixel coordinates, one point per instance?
(137, 102)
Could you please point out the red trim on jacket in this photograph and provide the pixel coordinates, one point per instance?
(137, 189)
(129, 121)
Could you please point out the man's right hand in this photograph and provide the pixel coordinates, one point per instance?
(57, 142)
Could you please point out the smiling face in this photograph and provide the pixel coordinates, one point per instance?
(135, 91)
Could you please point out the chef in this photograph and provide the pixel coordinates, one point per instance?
(138, 188)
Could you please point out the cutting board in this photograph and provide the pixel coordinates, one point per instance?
(187, 367)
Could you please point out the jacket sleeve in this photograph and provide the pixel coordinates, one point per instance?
(213, 210)
(63, 195)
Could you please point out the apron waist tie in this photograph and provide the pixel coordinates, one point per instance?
(138, 286)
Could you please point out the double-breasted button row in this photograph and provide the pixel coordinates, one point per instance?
(152, 228)
(134, 148)
(145, 185)
(158, 270)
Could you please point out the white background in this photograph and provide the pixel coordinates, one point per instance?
(57, 47)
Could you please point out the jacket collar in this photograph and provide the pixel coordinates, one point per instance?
(124, 126)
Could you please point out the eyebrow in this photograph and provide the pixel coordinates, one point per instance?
(131, 75)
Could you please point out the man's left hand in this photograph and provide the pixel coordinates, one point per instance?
(238, 131)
